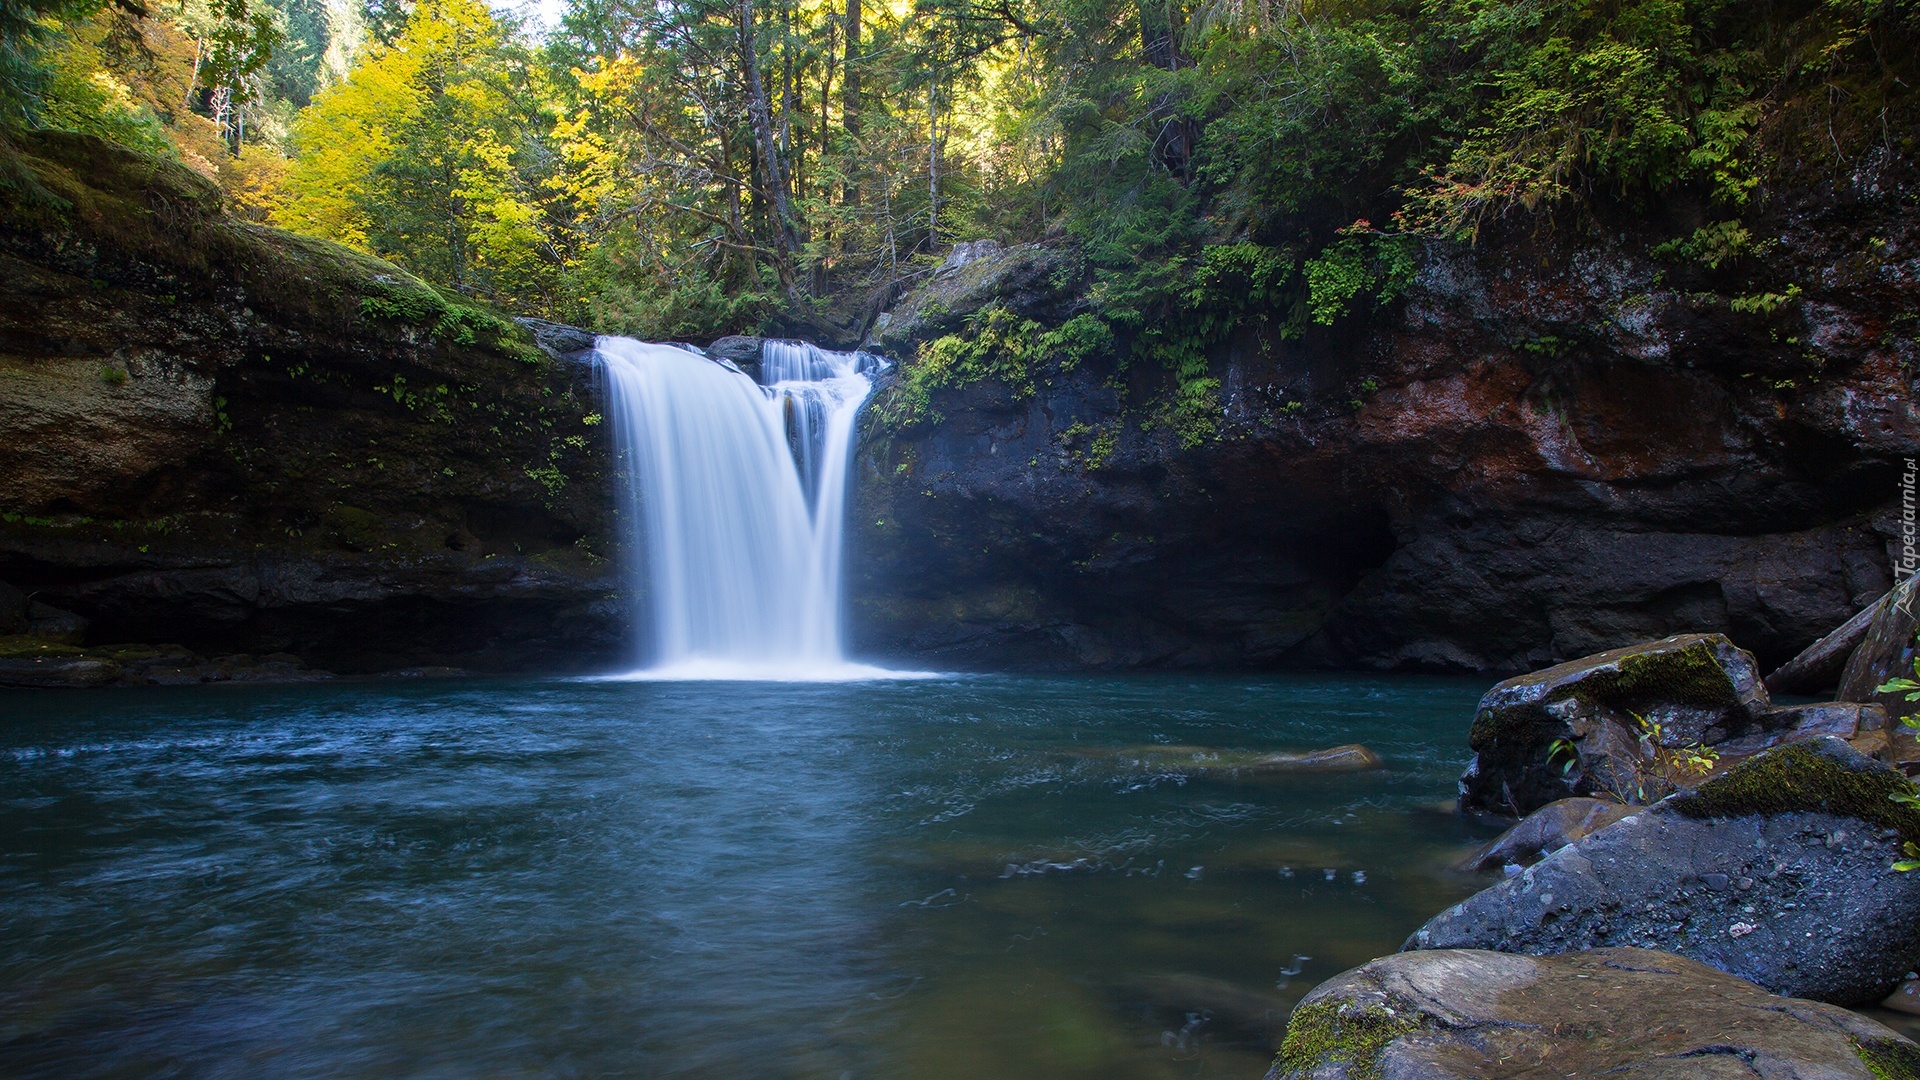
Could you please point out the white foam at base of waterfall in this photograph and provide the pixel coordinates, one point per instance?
(728, 671)
(733, 500)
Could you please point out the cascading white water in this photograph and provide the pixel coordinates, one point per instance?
(734, 499)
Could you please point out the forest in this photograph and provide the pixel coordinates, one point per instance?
(685, 168)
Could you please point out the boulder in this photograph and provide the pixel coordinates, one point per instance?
(57, 672)
(1589, 726)
(1603, 1012)
(53, 624)
(13, 610)
(1849, 720)
(1905, 998)
(559, 340)
(1779, 871)
(1033, 281)
(741, 351)
(1886, 652)
(1544, 832)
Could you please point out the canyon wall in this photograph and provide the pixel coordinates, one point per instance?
(234, 439)
(224, 436)
(1552, 444)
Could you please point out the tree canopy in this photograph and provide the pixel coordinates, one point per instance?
(683, 168)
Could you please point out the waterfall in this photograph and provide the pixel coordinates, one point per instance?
(734, 501)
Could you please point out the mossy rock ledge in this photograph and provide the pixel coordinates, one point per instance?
(1780, 872)
(228, 438)
(1460, 1013)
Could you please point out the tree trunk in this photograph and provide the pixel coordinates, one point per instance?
(933, 165)
(850, 102)
(773, 173)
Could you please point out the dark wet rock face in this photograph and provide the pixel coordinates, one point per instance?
(1780, 871)
(1466, 1014)
(222, 436)
(1546, 451)
(13, 610)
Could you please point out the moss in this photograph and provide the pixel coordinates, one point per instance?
(1519, 725)
(1807, 777)
(1686, 676)
(1325, 1032)
(356, 529)
(27, 646)
(126, 654)
(450, 318)
(1887, 1059)
(158, 211)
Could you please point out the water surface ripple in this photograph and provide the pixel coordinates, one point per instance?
(943, 878)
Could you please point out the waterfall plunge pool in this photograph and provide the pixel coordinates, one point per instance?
(951, 877)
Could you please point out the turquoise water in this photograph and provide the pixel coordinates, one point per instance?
(949, 878)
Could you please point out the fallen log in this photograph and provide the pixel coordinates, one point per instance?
(1819, 665)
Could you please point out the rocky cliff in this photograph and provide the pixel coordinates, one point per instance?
(223, 436)
(1555, 443)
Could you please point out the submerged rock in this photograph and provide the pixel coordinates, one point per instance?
(1596, 725)
(1603, 1012)
(1546, 831)
(1212, 1008)
(1350, 757)
(1780, 871)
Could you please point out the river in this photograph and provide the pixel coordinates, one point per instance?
(980, 876)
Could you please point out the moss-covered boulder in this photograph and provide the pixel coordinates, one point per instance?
(1032, 280)
(1605, 1012)
(1779, 871)
(1606, 724)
